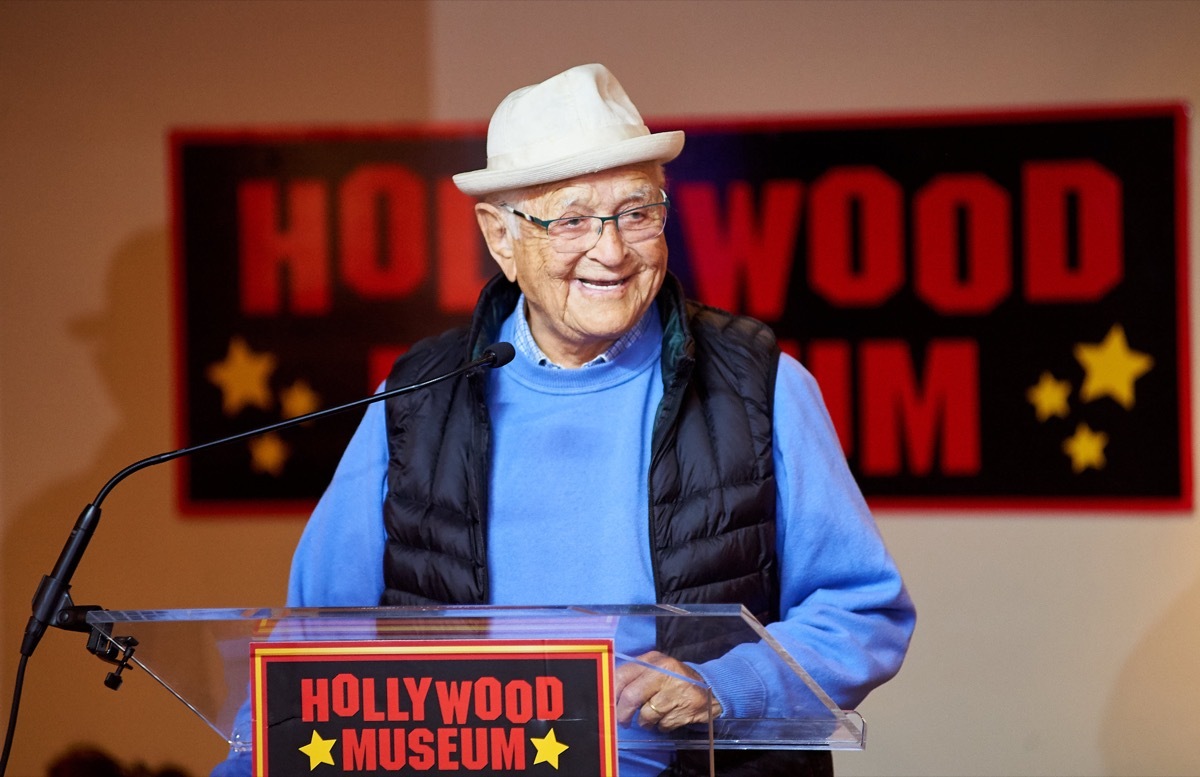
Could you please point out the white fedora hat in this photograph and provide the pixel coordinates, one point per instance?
(577, 122)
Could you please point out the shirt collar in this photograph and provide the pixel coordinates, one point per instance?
(525, 344)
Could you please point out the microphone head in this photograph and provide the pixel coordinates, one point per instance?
(501, 353)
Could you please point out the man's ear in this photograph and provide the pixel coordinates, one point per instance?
(495, 228)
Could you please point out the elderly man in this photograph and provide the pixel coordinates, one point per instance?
(640, 448)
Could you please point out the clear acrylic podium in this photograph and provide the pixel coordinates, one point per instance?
(202, 657)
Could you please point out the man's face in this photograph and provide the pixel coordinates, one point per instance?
(580, 303)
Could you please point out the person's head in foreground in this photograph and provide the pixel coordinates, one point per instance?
(572, 207)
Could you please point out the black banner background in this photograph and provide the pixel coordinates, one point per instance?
(1021, 462)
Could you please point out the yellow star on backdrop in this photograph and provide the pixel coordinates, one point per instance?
(1049, 397)
(1111, 367)
(268, 454)
(1086, 448)
(319, 751)
(242, 377)
(298, 399)
(548, 749)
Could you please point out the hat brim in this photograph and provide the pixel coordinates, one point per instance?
(659, 147)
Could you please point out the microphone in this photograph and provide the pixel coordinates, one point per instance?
(501, 353)
(52, 603)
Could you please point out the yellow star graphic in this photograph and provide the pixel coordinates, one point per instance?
(242, 377)
(548, 749)
(268, 454)
(1086, 448)
(319, 751)
(298, 399)
(1111, 368)
(1049, 397)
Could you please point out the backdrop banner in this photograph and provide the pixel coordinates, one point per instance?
(994, 304)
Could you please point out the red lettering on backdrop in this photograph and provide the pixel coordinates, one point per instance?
(986, 275)
(741, 245)
(383, 231)
(842, 274)
(359, 750)
(474, 748)
(459, 250)
(420, 745)
(369, 711)
(518, 701)
(314, 700)
(417, 691)
(391, 750)
(447, 746)
(488, 704)
(344, 690)
(380, 359)
(278, 232)
(508, 751)
(454, 700)
(1051, 273)
(549, 697)
(906, 419)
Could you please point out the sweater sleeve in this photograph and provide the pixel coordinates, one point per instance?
(846, 616)
(339, 559)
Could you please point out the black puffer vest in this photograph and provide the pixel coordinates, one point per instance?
(712, 483)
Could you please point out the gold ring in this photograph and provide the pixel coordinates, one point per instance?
(651, 706)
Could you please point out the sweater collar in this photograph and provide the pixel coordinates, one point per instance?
(501, 296)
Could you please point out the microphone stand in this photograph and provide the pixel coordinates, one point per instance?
(52, 604)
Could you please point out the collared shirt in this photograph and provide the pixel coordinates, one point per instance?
(525, 344)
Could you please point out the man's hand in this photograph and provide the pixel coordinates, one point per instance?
(658, 699)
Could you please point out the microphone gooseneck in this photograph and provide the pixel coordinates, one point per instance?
(52, 603)
(53, 594)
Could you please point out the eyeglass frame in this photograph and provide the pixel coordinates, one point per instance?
(545, 223)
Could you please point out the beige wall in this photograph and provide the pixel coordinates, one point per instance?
(89, 92)
(1046, 645)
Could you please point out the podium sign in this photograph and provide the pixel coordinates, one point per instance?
(489, 707)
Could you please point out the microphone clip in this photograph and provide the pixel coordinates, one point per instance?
(113, 650)
(117, 651)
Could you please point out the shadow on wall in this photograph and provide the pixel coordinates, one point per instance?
(1154, 712)
(134, 555)
(118, 337)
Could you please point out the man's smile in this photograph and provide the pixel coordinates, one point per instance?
(601, 285)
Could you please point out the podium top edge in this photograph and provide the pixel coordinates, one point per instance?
(407, 613)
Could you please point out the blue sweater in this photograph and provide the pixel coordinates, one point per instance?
(569, 483)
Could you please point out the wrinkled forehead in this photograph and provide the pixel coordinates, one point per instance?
(608, 189)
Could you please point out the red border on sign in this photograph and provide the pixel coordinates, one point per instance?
(599, 651)
(927, 505)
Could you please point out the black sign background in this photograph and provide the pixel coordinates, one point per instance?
(578, 727)
(1146, 459)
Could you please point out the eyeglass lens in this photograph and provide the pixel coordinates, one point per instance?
(582, 233)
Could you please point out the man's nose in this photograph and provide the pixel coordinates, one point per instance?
(610, 247)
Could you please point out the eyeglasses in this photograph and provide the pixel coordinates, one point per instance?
(576, 234)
